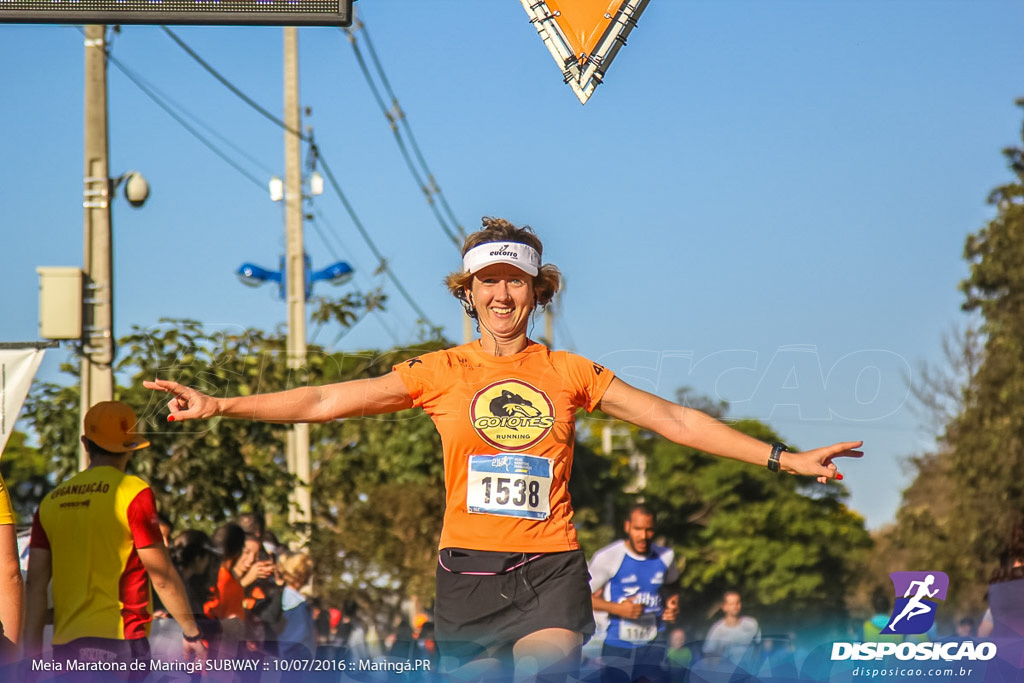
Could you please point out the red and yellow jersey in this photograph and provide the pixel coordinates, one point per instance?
(92, 525)
(6, 510)
(507, 426)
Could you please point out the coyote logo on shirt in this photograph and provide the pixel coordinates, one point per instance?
(509, 404)
(511, 414)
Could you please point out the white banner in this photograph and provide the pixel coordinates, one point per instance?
(17, 368)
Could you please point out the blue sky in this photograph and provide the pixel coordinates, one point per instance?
(766, 202)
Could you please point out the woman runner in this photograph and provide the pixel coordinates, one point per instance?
(512, 582)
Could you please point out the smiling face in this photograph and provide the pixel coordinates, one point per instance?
(249, 555)
(503, 297)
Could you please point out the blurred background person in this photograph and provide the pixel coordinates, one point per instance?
(297, 638)
(262, 599)
(735, 636)
(195, 557)
(678, 655)
(226, 603)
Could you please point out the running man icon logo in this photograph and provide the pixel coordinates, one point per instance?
(916, 595)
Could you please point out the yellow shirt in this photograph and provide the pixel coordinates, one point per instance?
(92, 524)
(6, 510)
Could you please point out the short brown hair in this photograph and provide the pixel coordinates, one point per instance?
(546, 283)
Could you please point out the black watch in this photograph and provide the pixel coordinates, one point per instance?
(193, 639)
(773, 459)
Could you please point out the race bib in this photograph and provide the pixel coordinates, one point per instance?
(509, 485)
(639, 631)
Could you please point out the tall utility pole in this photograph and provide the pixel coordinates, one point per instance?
(295, 277)
(97, 303)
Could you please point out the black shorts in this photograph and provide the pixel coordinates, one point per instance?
(477, 613)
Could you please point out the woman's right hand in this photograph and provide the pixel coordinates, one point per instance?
(258, 570)
(186, 403)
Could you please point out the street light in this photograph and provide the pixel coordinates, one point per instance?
(136, 188)
(252, 275)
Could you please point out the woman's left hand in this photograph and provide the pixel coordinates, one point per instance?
(818, 462)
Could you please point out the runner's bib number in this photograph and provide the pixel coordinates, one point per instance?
(509, 485)
(638, 631)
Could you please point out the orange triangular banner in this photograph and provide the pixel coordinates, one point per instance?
(583, 22)
(584, 35)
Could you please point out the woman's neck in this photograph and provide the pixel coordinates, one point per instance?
(502, 347)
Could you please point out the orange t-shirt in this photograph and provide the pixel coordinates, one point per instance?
(230, 598)
(507, 426)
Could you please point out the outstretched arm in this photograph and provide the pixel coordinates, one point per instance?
(385, 394)
(36, 600)
(695, 429)
(11, 587)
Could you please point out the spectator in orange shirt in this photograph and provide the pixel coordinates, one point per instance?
(228, 597)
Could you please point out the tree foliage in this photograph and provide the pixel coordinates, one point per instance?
(378, 488)
(26, 475)
(788, 544)
(377, 483)
(958, 512)
(986, 437)
(928, 530)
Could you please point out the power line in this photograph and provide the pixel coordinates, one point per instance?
(170, 101)
(323, 161)
(152, 94)
(369, 242)
(316, 223)
(232, 87)
(395, 114)
(408, 129)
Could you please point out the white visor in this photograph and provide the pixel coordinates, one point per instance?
(522, 256)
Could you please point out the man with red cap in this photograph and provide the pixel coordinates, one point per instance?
(98, 538)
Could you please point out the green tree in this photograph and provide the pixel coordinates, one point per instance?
(378, 496)
(789, 544)
(958, 512)
(600, 480)
(377, 482)
(26, 475)
(928, 529)
(985, 438)
(201, 473)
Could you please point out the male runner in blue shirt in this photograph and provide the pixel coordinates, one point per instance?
(628, 580)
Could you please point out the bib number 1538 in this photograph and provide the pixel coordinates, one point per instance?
(509, 485)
